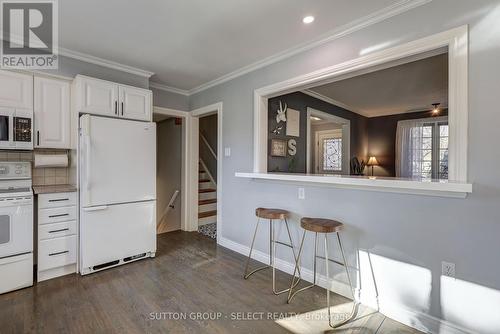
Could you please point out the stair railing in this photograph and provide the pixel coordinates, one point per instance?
(170, 204)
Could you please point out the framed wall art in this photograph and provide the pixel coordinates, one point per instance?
(278, 148)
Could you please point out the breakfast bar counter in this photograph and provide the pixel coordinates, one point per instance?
(441, 188)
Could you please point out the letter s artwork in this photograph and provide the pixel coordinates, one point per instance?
(292, 147)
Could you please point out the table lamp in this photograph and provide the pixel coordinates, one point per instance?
(372, 162)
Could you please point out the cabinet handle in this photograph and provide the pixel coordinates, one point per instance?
(116, 107)
(61, 230)
(59, 200)
(61, 215)
(122, 108)
(38, 138)
(58, 253)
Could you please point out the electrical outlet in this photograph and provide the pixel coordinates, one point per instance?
(302, 193)
(227, 151)
(448, 269)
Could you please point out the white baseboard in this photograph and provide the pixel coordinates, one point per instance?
(412, 318)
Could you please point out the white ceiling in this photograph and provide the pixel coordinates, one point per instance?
(188, 43)
(405, 88)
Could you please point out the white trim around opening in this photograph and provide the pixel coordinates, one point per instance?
(455, 40)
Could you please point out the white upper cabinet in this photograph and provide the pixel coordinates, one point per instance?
(135, 103)
(52, 113)
(96, 96)
(16, 90)
(100, 97)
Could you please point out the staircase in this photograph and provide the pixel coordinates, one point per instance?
(207, 199)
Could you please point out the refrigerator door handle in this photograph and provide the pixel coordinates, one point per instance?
(87, 162)
(96, 208)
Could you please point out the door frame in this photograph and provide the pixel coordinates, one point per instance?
(346, 137)
(186, 120)
(194, 155)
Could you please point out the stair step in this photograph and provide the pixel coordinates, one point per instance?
(207, 201)
(207, 214)
(204, 180)
(201, 191)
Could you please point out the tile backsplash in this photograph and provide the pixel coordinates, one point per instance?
(41, 176)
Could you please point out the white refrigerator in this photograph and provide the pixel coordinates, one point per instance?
(117, 192)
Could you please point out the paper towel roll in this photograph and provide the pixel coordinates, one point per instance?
(51, 160)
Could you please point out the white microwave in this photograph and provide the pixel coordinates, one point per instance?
(16, 129)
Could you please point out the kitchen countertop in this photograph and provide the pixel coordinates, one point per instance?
(60, 188)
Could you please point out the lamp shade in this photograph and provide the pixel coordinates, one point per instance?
(372, 162)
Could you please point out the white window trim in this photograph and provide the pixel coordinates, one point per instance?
(456, 40)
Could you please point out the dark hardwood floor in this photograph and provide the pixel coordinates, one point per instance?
(190, 275)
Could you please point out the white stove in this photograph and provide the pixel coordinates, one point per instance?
(16, 226)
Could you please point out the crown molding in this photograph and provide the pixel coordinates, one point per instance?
(349, 28)
(104, 62)
(169, 89)
(331, 101)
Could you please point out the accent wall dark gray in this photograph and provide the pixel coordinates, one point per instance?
(300, 101)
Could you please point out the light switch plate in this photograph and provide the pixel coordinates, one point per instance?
(448, 269)
(227, 151)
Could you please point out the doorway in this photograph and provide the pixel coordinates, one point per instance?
(328, 143)
(170, 162)
(207, 176)
(206, 170)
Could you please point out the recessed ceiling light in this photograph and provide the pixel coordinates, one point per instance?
(308, 19)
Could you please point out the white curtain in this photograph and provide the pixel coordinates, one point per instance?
(409, 144)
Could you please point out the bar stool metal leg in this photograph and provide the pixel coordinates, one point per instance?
(355, 303)
(272, 255)
(274, 242)
(246, 274)
(295, 257)
(292, 294)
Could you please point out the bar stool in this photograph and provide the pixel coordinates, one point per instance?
(272, 214)
(326, 226)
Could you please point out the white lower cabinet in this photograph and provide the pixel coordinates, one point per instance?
(57, 235)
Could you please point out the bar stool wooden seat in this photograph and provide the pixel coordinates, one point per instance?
(325, 226)
(272, 215)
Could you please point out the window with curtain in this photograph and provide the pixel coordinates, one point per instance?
(422, 148)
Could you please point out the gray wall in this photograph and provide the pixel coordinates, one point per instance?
(300, 101)
(168, 174)
(162, 98)
(407, 236)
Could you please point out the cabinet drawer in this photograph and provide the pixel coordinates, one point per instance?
(51, 231)
(57, 252)
(56, 200)
(55, 215)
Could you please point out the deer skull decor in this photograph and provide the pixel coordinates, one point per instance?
(280, 117)
(281, 113)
